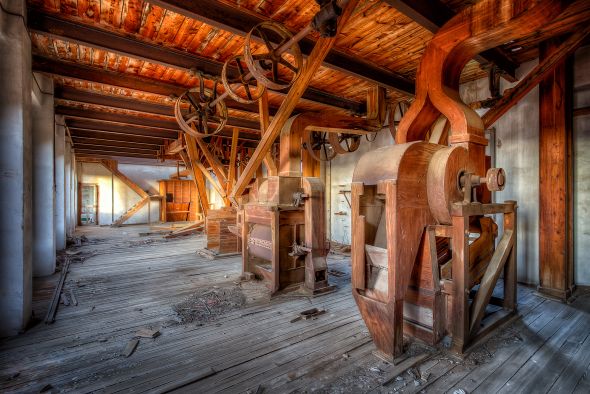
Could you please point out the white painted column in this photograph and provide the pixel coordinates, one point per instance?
(43, 176)
(60, 190)
(15, 162)
(68, 188)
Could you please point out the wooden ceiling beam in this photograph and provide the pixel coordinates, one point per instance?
(142, 120)
(136, 149)
(67, 30)
(433, 14)
(120, 128)
(110, 142)
(114, 152)
(240, 21)
(66, 69)
(96, 134)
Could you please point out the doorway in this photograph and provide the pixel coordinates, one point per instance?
(88, 198)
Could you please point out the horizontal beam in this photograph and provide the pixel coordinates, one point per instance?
(114, 152)
(113, 142)
(124, 132)
(67, 30)
(240, 21)
(160, 124)
(124, 80)
(433, 14)
(89, 124)
(83, 96)
(135, 149)
(113, 136)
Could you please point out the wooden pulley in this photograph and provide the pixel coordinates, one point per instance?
(270, 63)
(244, 88)
(201, 114)
(318, 145)
(443, 181)
(397, 109)
(344, 143)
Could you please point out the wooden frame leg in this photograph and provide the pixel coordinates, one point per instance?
(460, 270)
(510, 294)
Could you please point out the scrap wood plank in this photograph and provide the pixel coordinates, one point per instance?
(186, 230)
(50, 317)
(130, 347)
(314, 61)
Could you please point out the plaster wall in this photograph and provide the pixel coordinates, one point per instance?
(115, 198)
(581, 149)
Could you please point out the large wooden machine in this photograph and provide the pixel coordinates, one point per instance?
(282, 220)
(427, 250)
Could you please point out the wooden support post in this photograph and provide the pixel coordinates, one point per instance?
(510, 265)
(460, 271)
(231, 176)
(314, 61)
(358, 239)
(556, 277)
(189, 157)
(275, 264)
(269, 162)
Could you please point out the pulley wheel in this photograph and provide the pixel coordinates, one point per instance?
(318, 145)
(242, 89)
(197, 122)
(271, 69)
(344, 143)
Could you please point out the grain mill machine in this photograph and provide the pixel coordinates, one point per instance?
(426, 251)
(282, 220)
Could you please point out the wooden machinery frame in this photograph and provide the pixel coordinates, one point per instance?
(418, 266)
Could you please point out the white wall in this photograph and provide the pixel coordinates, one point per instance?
(581, 150)
(112, 205)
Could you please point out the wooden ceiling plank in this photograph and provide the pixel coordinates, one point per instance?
(433, 14)
(240, 22)
(63, 29)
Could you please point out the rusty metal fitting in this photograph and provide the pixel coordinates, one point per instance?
(495, 179)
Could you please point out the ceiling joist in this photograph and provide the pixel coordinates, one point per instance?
(240, 22)
(66, 30)
(433, 14)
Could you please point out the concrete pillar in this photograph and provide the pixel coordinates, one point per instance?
(15, 162)
(43, 176)
(60, 190)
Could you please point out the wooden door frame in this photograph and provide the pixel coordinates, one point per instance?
(80, 186)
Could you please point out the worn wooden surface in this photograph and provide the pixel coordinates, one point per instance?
(556, 266)
(132, 284)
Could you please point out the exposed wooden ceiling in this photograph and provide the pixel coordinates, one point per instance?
(118, 64)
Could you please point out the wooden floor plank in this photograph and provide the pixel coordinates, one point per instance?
(129, 282)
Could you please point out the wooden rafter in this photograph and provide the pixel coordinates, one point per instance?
(240, 21)
(545, 66)
(433, 14)
(67, 30)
